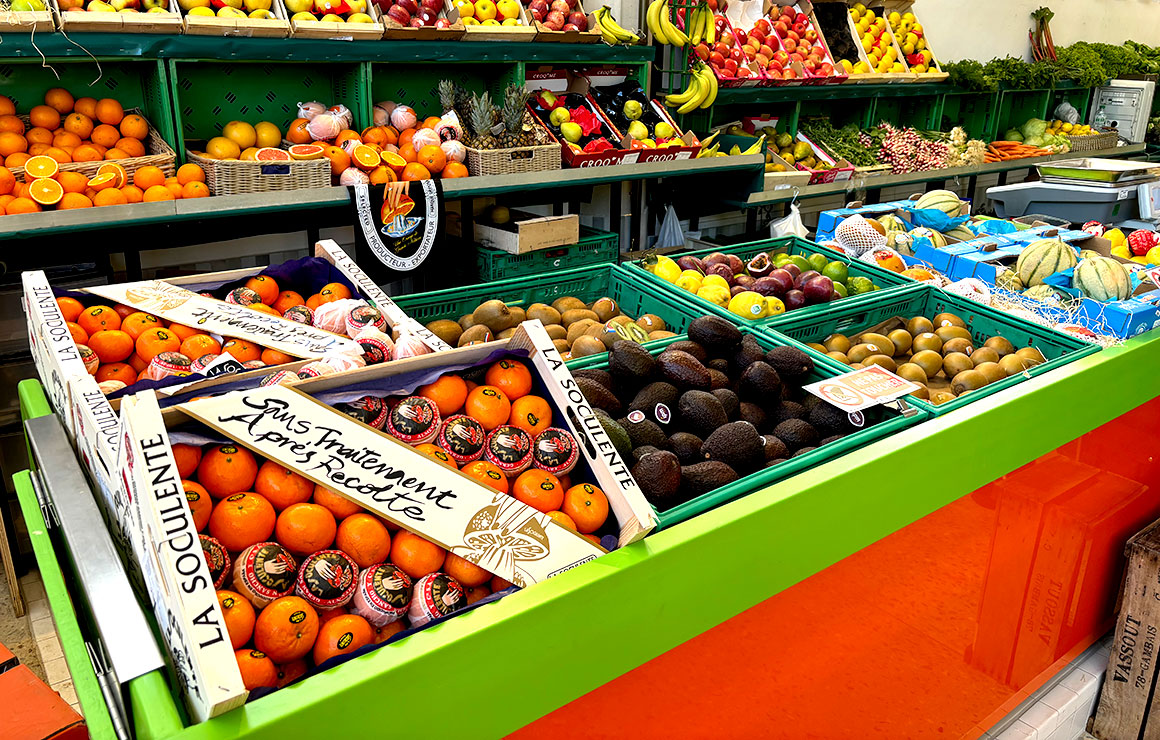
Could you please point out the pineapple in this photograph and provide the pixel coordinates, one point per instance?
(448, 95)
(515, 99)
(481, 115)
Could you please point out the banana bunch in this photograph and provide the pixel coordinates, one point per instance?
(611, 31)
(662, 26)
(702, 26)
(701, 92)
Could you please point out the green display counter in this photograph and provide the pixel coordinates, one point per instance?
(562, 638)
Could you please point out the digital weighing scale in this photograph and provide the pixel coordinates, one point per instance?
(1110, 191)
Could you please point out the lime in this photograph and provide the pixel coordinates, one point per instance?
(817, 261)
(840, 289)
(802, 263)
(859, 285)
(780, 258)
(835, 271)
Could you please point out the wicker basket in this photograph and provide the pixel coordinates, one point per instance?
(160, 154)
(515, 161)
(235, 177)
(1094, 142)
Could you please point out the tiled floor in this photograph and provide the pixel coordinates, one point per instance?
(47, 641)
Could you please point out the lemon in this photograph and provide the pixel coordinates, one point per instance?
(1153, 256)
(714, 294)
(774, 306)
(717, 280)
(666, 269)
(689, 283)
(748, 305)
(1121, 251)
(1116, 237)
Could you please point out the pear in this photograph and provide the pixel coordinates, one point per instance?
(571, 131)
(664, 131)
(559, 116)
(638, 130)
(633, 110)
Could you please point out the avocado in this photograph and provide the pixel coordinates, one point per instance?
(599, 396)
(774, 448)
(699, 479)
(687, 447)
(600, 376)
(738, 445)
(832, 438)
(659, 478)
(828, 420)
(683, 370)
(692, 348)
(791, 363)
(753, 414)
(701, 412)
(747, 353)
(804, 451)
(786, 410)
(718, 379)
(775, 461)
(616, 434)
(715, 334)
(647, 398)
(640, 452)
(759, 383)
(645, 432)
(729, 401)
(718, 363)
(630, 360)
(796, 434)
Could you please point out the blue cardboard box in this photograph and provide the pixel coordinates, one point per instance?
(829, 220)
(1134, 315)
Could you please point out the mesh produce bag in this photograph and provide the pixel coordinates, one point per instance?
(856, 236)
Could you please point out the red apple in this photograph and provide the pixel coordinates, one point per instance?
(428, 17)
(724, 74)
(756, 33)
(435, 6)
(743, 72)
(727, 39)
(400, 15)
(442, 23)
(781, 58)
(788, 74)
(540, 5)
(793, 35)
(766, 51)
(537, 14)
(561, 6)
(731, 66)
(775, 66)
(801, 18)
(702, 52)
(721, 49)
(811, 35)
(554, 19)
(417, 23)
(789, 45)
(796, 57)
(826, 70)
(741, 36)
(737, 55)
(798, 28)
(810, 64)
(763, 25)
(410, 6)
(780, 28)
(571, 27)
(717, 59)
(578, 19)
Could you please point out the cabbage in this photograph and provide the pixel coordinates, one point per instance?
(1033, 127)
(1013, 135)
(1035, 141)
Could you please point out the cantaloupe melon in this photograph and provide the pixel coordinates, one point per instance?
(1102, 279)
(942, 200)
(1042, 258)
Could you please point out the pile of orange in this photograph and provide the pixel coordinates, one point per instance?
(240, 500)
(386, 154)
(124, 340)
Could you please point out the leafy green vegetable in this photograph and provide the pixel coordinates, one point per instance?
(1033, 128)
(969, 75)
(842, 143)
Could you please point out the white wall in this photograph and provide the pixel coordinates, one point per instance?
(984, 29)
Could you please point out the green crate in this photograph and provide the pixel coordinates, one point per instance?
(976, 112)
(417, 85)
(585, 283)
(925, 300)
(209, 94)
(885, 279)
(1016, 106)
(882, 422)
(135, 84)
(595, 246)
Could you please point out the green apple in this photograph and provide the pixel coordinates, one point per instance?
(559, 116)
(151, 4)
(571, 131)
(638, 130)
(25, 6)
(188, 5)
(664, 131)
(633, 110)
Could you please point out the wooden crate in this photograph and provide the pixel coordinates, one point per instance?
(79, 20)
(277, 27)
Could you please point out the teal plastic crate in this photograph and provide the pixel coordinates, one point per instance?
(924, 300)
(881, 422)
(885, 279)
(595, 246)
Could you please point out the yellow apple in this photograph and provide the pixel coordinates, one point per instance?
(485, 10)
(332, 18)
(97, 6)
(466, 9)
(511, 22)
(360, 18)
(263, 15)
(188, 5)
(303, 16)
(233, 3)
(356, 6)
(299, 6)
(508, 9)
(470, 21)
(156, 9)
(201, 10)
(230, 12)
(252, 5)
(491, 22)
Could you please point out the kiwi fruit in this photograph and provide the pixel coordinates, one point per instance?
(968, 380)
(506, 333)
(519, 316)
(883, 343)
(650, 322)
(446, 330)
(466, 322)
(605, 309)
(930, 361)
(595, 329)
(568, 303)
(544, 313)
(840, 357)
(984, 354)
(902, 340)
(926, 341)
(1013, 364)
(940, 397)
(619, 320)
(660, 334)
(949, 319)
(1031, 355)
(819, 347)
(835, 343)
(477, 333)
(958, 344)
(1000, 345)
(555, 331)
(587, 345)
(493, 314)
(947, 333)
(560, 345)
(572, 315)
(923, 393)
(632, 332)
(885, 361)
(919, 325)
(860, 352)
(912, 372)
(955, 363)
(992, 371)
(580, 328)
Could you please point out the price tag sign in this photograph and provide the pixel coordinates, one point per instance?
(862, 389)
(1153, 275)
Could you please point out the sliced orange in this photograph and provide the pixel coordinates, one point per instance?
(272, 154)
(45, 191)
(366, 158)
(394, 161)
(103, 180)
(41, 166)
(306, 151)
(121, 176)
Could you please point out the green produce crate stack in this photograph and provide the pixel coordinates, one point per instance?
(595, 246)
(1079, 97)
(417, 85)
(1016, 106)
(924, 300)
(975, 112)
(921, 112)
(207, 94)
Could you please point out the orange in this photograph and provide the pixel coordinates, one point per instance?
(532, 414)
(499, 584)
(288, 299)
(102, 182)
(22, 205)
(136, 323)
(342, 635)
(110, 197)
(124, 311)
(305, 528)
(64, 138)
(392, 136)
(286, 629)
(35, 150)
(118, 371)
(134, 127)
(174, 187)
(79, 124)
(587, 506)
(488, 405)
(11, 143)
(120, 176)
(200, 502)
(430, 122)
(109, 111)
(296, 132)
(394, 161)
(405, 139)
(538, 489)
(72, 182)
(105, 135)
(242, 519)
(86, 106)
(340, 507)
(415, 171)
(372, 135)
(42, 116)
(182, 331)
(227, 469)
(133, 194)
(153, 342)
(156, 193)
(7, 107)
(137, 363)
(329, 614)
(448, 392)
(408, 154)
(273, 356)
(259, 307)
(265, 287)
(257, 669)
(433, 158)
(11, 124)
(70, 308)
(87, 153)
(199, 345)
(116, 153)
(96, 318)
(382, 175)
(242, 350)
(79, 335)
(187, 457)
(347, 135)
(290, 672)
(339, 160)
(5, 200)
(60, 100)
(364, 538)
(45, 191)
(437, 453)
(510, 376)
(489, 474)
(476, 593)
(466, 572)
(563, 520)
(188, 173)
(415, 555)
(313, 302)
(36, 135)
(111, 345)
(455, 169)
(239, 615)
(148, 176)
(16, 160)
(7, 181)
(41, 166)
(282, 487)
(60, 155)
(131, 146)
(334, 292)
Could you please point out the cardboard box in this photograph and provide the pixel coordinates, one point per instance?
(602, 77)
(839, 171)
(140, 22)
(277, 27)
(394, 30)
(336, 31)
(829, 220)
(528, 232)
(559, 81)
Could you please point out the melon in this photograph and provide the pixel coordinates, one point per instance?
(1008, 280)
(893, 224)
(962, 233)
(1047, 294)
(1102, 279)
(1042, 258)
(941, 200)
(272, 154)
(937, 239)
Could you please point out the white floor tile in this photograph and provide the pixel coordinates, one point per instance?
(49, 648)
(1061, 699)
(1043, 718)
(1018, 731)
